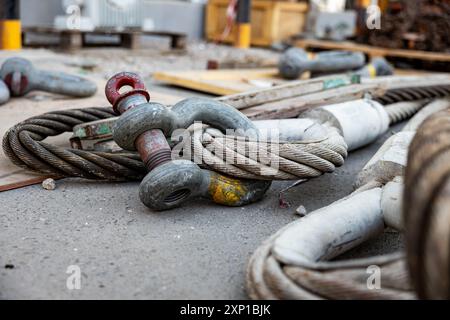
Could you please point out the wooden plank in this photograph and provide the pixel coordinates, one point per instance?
(287, 90)
(292, 107)
(372, 51)
(408, 78)
(222, 82)
(22, 179)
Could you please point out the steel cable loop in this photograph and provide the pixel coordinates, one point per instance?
(399, 102)
(401, 111)
(426, 204)
(268, 278)
(268, 160)
(413, 93)
(23, 145)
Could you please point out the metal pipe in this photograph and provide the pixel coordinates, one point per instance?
(295, 61)
(377, 67)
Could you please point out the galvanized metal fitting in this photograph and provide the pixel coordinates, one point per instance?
(295, 61)
(377, 67)
(21, 77)
(144, 126)
(173, 183)
(4, 92)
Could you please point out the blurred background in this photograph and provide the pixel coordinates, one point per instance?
(189, 48)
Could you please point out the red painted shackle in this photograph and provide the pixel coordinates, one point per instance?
(120, 80)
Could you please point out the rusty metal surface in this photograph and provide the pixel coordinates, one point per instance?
(414, 24)
(152, 144)
(123, 79)
(153, 148)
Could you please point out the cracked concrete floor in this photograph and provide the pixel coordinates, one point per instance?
(126, 251)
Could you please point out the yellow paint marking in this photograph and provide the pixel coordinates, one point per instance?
(225, 190)
(372, 70)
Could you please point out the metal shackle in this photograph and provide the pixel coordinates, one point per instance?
(144, 126)
(295, 61)
(21, 77)
(4, 92)
(377, 67)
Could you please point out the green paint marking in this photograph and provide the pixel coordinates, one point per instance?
(339, 82)
(80, 133)
(355, 78)
(104, 129)
(334, 83)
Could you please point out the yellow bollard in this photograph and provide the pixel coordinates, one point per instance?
(243, 35)
(243, 27)
(10, 26)
(10, 35)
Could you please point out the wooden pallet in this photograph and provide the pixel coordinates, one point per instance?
(223, 81)
(219, 82)
(271, 21)
(372, 51)
(76, 39)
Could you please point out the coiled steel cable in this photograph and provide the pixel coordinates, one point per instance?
(403, 103)
(413, 93)
(268, 278)
(272, 160)
(24, 147)
(401, 111)
(426, 207)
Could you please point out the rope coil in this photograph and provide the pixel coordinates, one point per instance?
(269, 278)
(24, 146)
(413, 93)
(281, 160)
(401, 111)
(426, 207)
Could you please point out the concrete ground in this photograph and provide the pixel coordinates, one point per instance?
(126, 251)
